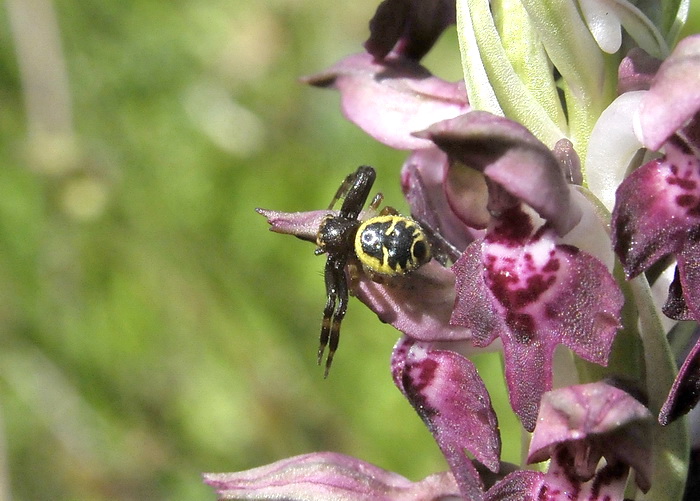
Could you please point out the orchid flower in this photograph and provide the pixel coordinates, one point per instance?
(560, 182)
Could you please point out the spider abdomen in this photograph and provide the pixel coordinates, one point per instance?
(391, 245)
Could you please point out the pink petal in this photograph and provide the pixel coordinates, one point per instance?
(518, 486)
(423, 182)
(326, 475)
(392, 99)
(674, 97)
(636, 71)
(419, 304)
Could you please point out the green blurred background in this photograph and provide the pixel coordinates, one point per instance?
(151, 327)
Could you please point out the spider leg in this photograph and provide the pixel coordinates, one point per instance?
(341, 308)
(331, 295)
(343, 189)
(357, 194)
(376, 201)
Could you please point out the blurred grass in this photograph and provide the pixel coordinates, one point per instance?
(151, 327)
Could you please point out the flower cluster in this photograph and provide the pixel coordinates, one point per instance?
(560, 182)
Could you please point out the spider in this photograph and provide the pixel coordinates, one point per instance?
(386, 244)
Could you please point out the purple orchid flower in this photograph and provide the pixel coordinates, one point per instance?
(515, 187)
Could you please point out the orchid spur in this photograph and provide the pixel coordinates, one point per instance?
(560, 182)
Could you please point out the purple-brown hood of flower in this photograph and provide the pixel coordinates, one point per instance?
(408, 28)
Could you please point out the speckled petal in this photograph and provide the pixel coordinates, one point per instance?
(655, 208)
(534, 294)
(391, 99)
(326, 475)
(451, 398)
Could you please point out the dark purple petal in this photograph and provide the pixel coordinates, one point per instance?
(508, 154)
(689, 272)
(685, 392)
(580, 424)
(409, 28)
(423, 183)
(303, 225)
(418, 304)
(674, 97)
(534, 294)
(655, 208)
(675, 306)
(518, 486)
(392, 99)
(325, 476)
(447, 392)
(636, 71)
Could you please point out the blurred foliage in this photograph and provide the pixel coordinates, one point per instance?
(151, 327)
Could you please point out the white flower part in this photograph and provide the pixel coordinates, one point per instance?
(590, 234)
(659, 291)
(612, 146)
(606, 18)
(604, 24)
(417, 353)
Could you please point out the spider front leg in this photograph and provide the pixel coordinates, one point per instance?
(334, 311)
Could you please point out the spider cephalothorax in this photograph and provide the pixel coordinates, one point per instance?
(386, 244)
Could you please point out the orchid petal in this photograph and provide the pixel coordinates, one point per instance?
(447, 392)
(508, 154)
(303, 225)
(418, 304)
(327, 475)
(685, 392)
(674, 97)
(656, 207)
(392, 99)
(593, 420)
(603, 23)
(530, 295)
(520, 485)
